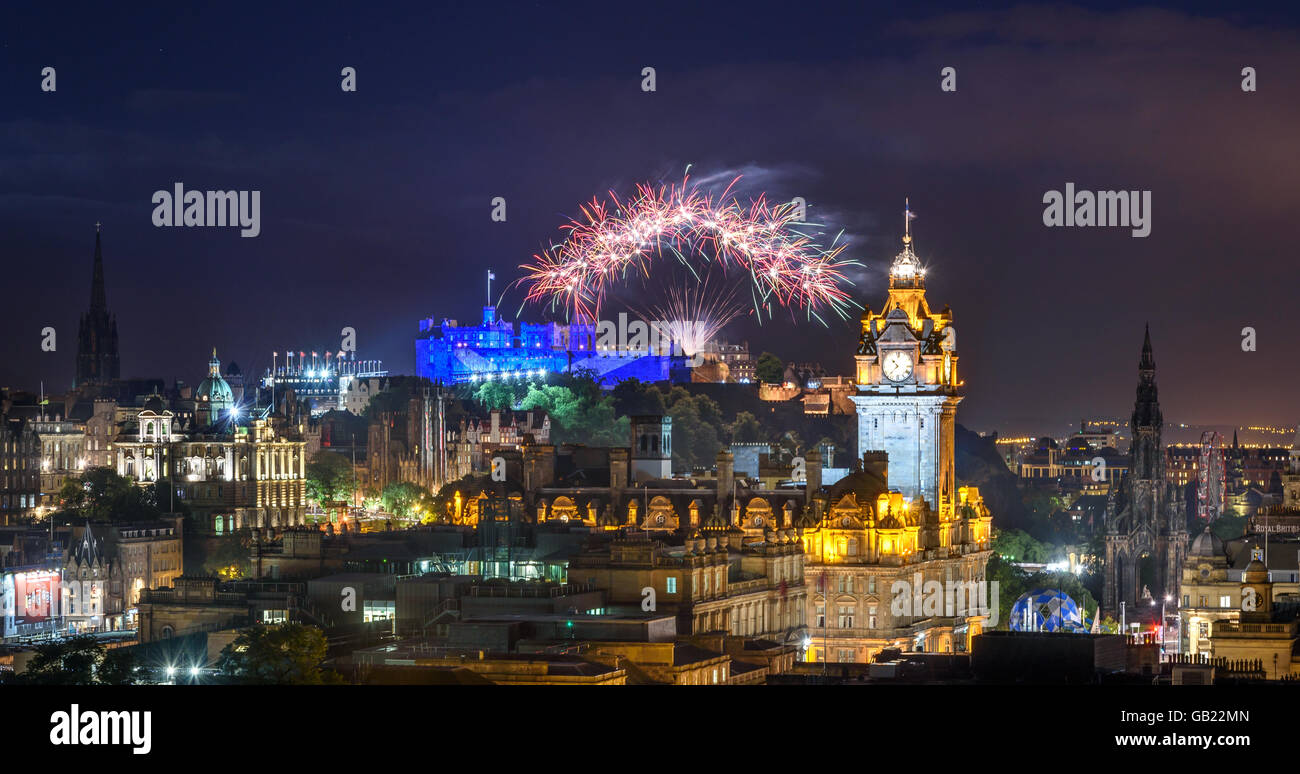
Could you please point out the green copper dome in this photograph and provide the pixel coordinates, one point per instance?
(214, 392)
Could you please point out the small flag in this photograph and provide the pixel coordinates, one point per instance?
(491, 275)
(911, 215)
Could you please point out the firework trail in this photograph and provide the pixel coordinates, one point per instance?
(613, 240)
(694, 314)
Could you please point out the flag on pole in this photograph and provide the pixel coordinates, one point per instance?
(491, 275)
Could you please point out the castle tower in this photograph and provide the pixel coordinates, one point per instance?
(908, 389)
(97, 355)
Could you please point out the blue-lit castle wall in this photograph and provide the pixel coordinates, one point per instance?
(455, 354)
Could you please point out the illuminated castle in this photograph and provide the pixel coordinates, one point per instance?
(494, 351)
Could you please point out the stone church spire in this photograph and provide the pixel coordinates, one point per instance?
(97, 353)
(1147, 421)
(98, 298)
(1148, 359)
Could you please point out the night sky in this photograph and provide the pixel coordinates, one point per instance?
(375, 204)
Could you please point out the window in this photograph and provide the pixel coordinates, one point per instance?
(846, 616)
(871, 584)
(379, 610)
(671, 585)
(871, 617)
(1225, 601)
(821, 616)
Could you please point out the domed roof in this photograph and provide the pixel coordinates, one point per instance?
(1256, 571)
(906, 266)
(154, 404)
(1207, 544)
(214, 390)
(865, 486)
(890, 522)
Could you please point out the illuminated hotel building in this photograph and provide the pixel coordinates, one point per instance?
(900, 519)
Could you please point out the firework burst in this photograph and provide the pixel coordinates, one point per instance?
(611, 241)
(694, 314)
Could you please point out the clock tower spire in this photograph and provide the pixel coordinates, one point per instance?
(907, 385)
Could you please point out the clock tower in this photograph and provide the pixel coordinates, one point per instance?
(907, 387)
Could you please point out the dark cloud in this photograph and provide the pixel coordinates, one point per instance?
(376, 204)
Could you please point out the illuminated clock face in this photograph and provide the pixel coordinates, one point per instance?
(897, 366)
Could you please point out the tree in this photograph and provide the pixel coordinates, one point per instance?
(633, 397)
(100, 494)
(578, 414)
(1229, 526)
(1019, 546)
(79, 661)
(372, 498)
(1010, 582)
(401, 498)
(769, 369)
(499, 395)
(117, 667)
(287, 654)
(745, 428)
(695, 442)
(227, 557)
(329, 477)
